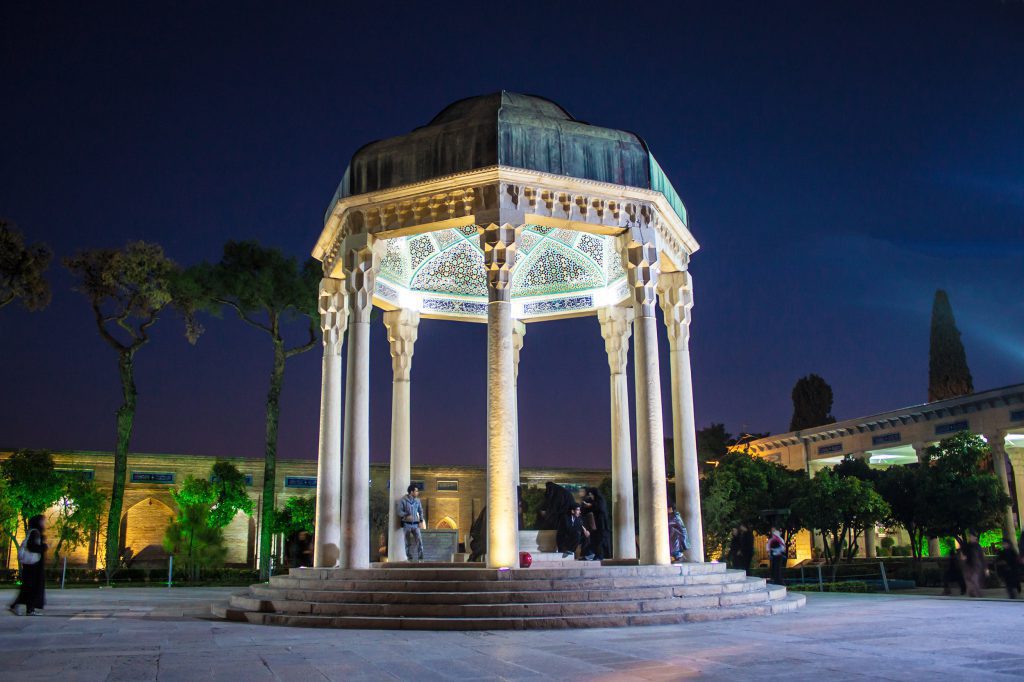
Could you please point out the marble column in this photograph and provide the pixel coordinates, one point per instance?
(518, 337)
(997, 444)
(641, 262)
(403, 326)
(1016, 455)
(333, 305)
(616, 327)
(675, 293)
(361, 261)
(921, 450)
(498, 243)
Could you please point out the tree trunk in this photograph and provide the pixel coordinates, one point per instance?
(270, 457)
(125, 422)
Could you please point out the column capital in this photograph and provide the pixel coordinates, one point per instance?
(498, 243)
(403, 329)
(333, 305)
(639, 250)
(518, 337)
(616, 328)
(996, 437)
(675, 293)
(362, 254)
(920, 449)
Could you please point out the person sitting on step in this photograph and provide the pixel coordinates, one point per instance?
(572, 533)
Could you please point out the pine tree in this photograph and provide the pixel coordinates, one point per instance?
(948, 374)
(812, 403)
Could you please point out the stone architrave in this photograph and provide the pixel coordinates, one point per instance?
(640, 259)
(675, 293)
(498, 243)
(616, 326)
(333, 305)
(403, 328)
(361, 260)
(518, 337)
(997, 444)
(921, 450)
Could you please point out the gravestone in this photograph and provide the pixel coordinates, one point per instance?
(440, 545)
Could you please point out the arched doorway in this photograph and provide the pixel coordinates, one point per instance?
(143, 527)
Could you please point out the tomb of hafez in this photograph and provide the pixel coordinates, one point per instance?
(504, 210)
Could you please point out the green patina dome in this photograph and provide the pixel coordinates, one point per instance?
(507, 129)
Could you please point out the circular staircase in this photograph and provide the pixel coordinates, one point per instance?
(472, 597)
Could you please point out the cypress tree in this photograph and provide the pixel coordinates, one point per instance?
(948, 374)
(812, 403)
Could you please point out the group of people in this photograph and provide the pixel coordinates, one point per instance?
(967, 568)
(586, 526)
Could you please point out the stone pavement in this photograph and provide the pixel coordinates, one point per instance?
(155, 633)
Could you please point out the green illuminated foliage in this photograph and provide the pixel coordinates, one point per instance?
(80, 512)
(298, 513)
(840, 508)
(32, 484)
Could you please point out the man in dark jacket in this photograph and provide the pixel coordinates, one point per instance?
(571, 532)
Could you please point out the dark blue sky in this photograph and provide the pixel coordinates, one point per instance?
(840, 161)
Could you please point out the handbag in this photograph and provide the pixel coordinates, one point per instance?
(26, 557)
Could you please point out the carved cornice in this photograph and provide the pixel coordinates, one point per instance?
(333, 305)
(403, 328)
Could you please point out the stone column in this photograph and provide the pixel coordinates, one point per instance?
(920, 449)
(518, 336)
(402, 326)
(1017, 460)
(333, 305)
(641, 262)
(616, 326)
(675, 293)
(997, 444)
(361, 260)
(499, 246)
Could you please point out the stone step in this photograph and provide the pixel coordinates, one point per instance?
(784, 605)
(494, 597)
(579, 579)
(449, 571)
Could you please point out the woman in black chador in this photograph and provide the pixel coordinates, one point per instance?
(33, 578)
(601, 534)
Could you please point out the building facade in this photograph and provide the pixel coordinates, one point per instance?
(452, 498)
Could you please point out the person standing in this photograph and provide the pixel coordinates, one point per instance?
(1008, 565)
(777, 554)
(746, 547)
(678, 540)
(601, 532)
(32, 594)
(410, 510)
(571, 532)
(973, 565)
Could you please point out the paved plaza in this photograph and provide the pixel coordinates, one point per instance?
(149, 634)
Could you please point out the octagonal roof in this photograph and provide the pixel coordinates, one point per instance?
(506, 129)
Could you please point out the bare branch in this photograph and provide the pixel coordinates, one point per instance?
(242, 316)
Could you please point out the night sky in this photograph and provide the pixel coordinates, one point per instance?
(839, 161)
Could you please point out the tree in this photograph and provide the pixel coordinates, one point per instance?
(812, 403)
(267, 290)
(9, 511)
(127, 289)
(192, 537)
(960, 493)
(902, 488)
(712, 443)
(840, 507)
(21, 270)
(298, 514)
(948, 374)
(79, 514)
(230, 495)
(33, 486)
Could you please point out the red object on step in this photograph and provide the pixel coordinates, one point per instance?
(525, 560)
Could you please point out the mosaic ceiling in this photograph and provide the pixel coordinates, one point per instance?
(557, 272)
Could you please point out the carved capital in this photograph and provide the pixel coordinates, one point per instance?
(640, 260)
(498, 243)
(362, 254)
(403, 328)
(675, 293)
(616, 327)
(333, 305)
(518, 336)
